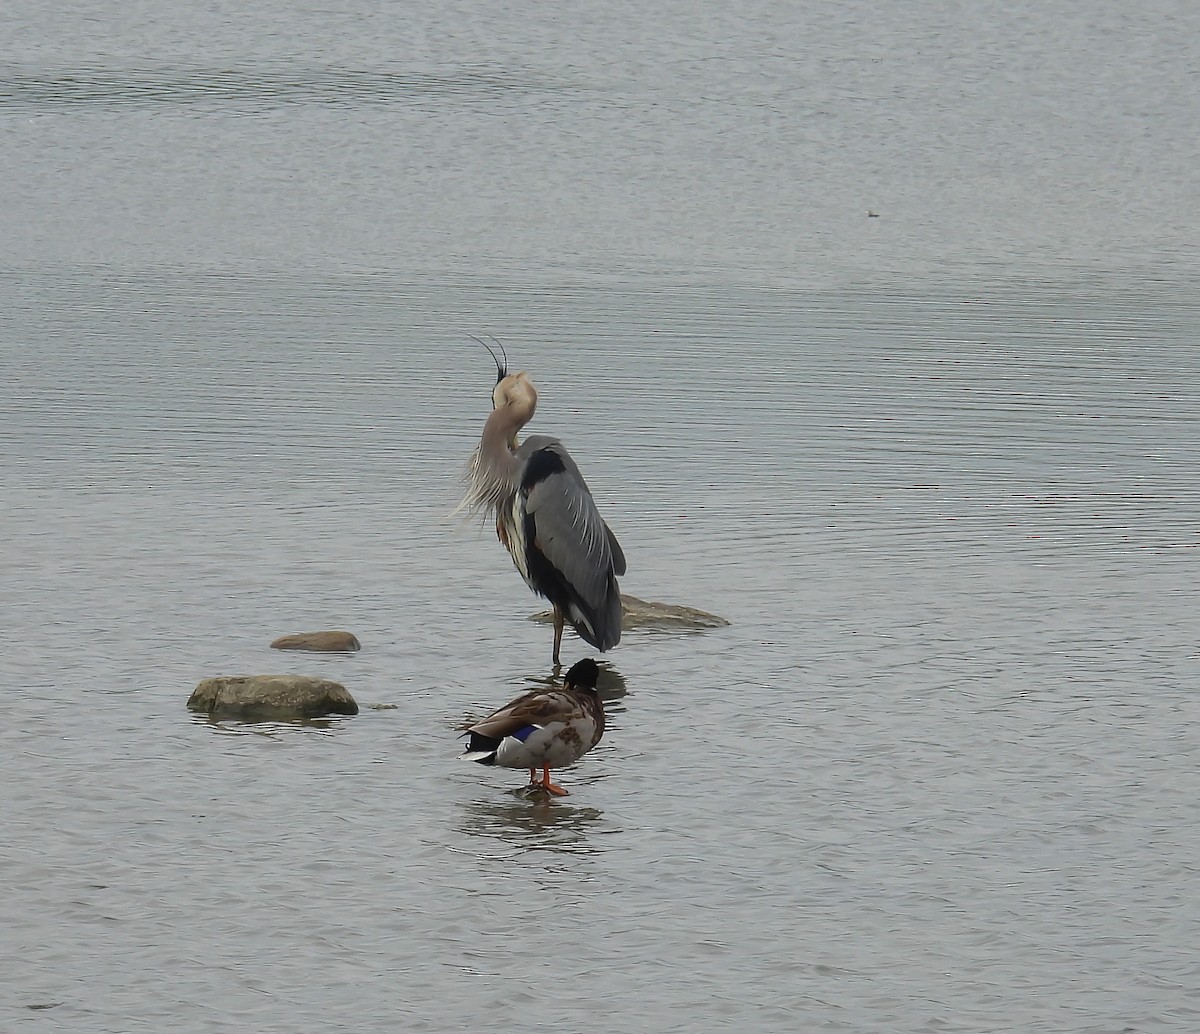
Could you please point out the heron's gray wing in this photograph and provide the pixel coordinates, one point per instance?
(540, 441)
(537, 442)
(618, 554)
(572, 536)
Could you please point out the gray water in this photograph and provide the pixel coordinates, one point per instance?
(937, 466)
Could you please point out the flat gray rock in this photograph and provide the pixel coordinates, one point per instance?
(331, 641)
(270, 697)
(636, 613)
(651, 614)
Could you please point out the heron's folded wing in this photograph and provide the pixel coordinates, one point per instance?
(572, 536)
(618, 554)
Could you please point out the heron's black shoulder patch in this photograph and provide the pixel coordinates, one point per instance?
(541, 465)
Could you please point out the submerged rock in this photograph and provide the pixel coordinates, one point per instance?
(638, 613)
(332, 641)
(651, 614)
(270, 697)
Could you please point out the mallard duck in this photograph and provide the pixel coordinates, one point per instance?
(545, 729)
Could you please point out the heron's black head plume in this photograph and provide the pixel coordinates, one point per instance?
(582, 674)
(501, 366)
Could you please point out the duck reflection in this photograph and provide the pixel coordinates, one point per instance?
(526, 821)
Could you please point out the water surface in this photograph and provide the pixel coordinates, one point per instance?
(936, 467)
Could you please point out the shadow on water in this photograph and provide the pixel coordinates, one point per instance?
(269, 729)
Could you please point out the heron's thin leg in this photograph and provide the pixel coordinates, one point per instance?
(533, 777)
(558, 631)
(558, 791)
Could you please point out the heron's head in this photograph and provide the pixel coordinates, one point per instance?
(515, 392)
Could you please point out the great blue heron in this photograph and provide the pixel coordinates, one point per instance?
(547, 728)
(545, 515)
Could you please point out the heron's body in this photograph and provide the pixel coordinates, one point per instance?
(547, 728)
(546, 518)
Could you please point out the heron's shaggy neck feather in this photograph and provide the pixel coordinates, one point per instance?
(493, 471)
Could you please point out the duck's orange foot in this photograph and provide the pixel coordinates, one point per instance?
(548, 786)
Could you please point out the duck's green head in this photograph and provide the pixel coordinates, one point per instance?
(583, 675)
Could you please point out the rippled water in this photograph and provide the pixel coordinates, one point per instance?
(938, 470)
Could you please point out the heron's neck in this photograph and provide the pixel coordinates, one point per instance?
(498, 446)
(494, 472)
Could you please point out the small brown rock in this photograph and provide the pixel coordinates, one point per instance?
(319, 642)
(270, 697)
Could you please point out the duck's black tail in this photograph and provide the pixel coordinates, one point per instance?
(481, 749)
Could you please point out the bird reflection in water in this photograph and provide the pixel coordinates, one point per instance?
(539, 822)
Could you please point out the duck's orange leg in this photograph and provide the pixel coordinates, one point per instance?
(558, 791)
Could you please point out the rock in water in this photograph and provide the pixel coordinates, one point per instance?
(331, 641)
(650, 614)
(270, 697)
(664, 617)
